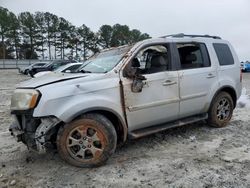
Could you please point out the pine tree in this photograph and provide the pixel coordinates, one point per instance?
(30, 31)
(4, 28)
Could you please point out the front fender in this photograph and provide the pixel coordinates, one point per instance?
(67, 108)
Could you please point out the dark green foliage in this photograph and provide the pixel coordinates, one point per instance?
(31, 36)
(5, 27)
(41, 38)
(30, 31)
(8, 50)
(26, 53)
(105, 36)
(87, 39)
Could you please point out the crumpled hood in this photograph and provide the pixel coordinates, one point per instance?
(50, 79)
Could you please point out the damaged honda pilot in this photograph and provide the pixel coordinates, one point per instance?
(128, 92)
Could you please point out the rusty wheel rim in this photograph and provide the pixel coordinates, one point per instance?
(85, 143)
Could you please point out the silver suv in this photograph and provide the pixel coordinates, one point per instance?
(128, 92)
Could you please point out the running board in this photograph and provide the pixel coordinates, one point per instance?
(157, 128)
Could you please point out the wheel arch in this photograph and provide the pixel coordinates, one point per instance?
(230, 90)
(117, 121)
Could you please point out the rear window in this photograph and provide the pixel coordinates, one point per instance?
(224, 54)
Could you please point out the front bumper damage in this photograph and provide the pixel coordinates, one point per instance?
(36, 133)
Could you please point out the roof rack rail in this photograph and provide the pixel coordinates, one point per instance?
(181, 35)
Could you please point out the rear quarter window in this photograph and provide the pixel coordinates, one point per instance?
(224, 54)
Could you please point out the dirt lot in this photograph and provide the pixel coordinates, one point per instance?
(191, 156)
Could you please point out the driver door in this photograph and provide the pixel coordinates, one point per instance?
(158, 102)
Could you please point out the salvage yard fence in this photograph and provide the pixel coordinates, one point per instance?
(17, 63)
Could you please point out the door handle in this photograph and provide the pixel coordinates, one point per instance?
(210, 75)
(169, 82)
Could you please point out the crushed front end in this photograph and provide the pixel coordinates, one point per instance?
(36, 133)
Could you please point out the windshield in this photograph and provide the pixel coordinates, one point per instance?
(104, 61)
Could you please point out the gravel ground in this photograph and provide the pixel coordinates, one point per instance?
(190, 156)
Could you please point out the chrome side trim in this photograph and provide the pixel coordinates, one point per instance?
(193, 96)
(152, 104)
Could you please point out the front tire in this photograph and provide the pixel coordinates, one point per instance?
(87, 142)
(221, 110)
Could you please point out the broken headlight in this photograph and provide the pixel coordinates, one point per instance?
(24, 99)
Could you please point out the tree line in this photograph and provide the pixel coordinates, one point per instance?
(44, 35)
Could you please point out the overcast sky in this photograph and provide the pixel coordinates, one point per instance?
(229, 19)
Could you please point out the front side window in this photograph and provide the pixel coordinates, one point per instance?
(193, 55)
(151, 59)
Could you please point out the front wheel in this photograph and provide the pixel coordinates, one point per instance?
(87, 142)
(221, 110)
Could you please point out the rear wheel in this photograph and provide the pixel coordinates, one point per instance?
(221, 110)
(87, 142)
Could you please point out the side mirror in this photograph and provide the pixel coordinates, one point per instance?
(132, 72)
(132, 69)
(67, 71)
(137, 86)
(137, 83)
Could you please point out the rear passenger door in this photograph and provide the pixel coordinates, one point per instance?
(196, 77)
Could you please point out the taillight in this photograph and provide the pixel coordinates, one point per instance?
(241, 75)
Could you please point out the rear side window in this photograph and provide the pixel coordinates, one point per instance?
(224, 54)
(193, 55)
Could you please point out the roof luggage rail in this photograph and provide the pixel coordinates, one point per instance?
(181, 35)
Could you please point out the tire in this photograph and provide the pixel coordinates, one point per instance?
(221, 110)
(26, 72)
(31, 73)
(87, 142)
